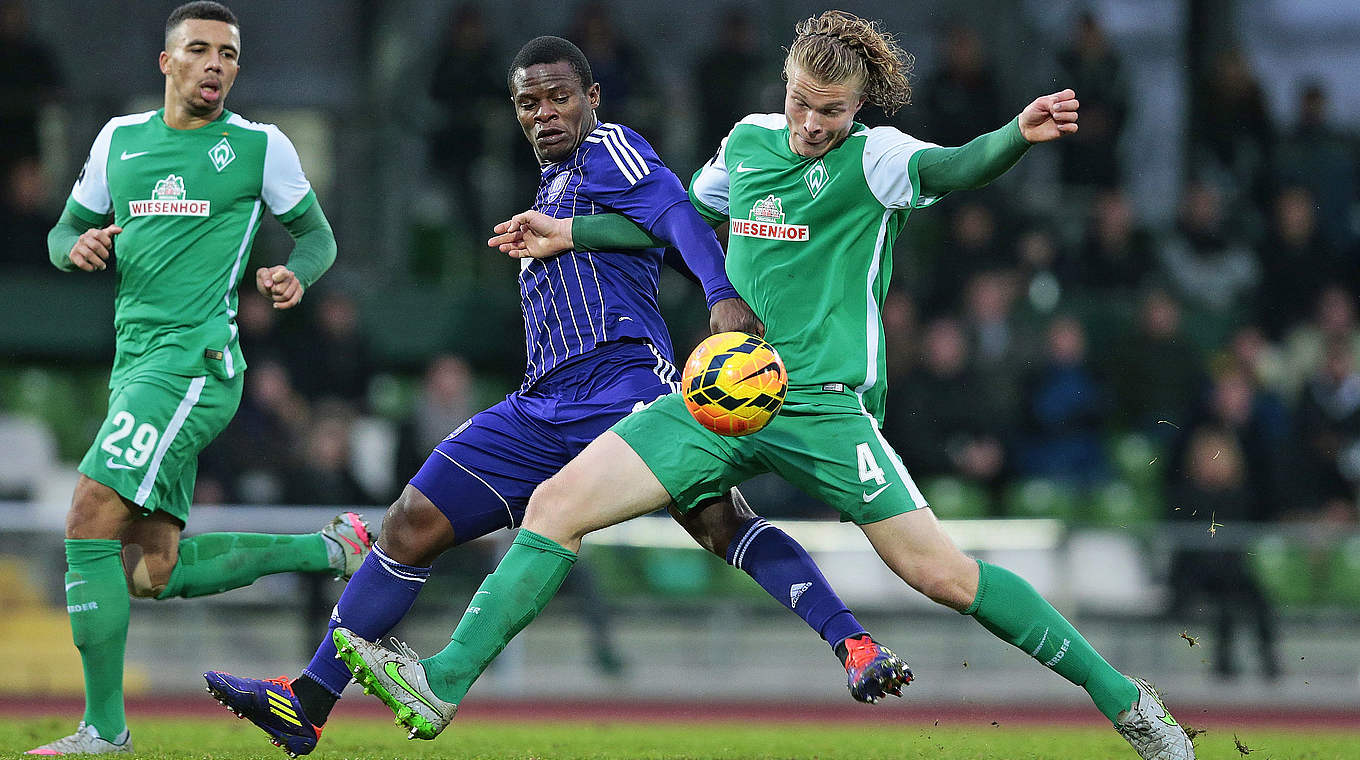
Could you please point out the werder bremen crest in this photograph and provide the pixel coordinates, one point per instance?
(221, 154)
(771, 209)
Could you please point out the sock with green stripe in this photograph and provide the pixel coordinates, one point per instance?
(97, 602)
(1009, 607)
(215, 562)
(522, 585)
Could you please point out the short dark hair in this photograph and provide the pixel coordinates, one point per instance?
(548, 49)
(199, 9)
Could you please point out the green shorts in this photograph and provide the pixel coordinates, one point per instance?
(835, 454)
(147, 449)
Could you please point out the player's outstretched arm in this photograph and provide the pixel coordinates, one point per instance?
(74, 244)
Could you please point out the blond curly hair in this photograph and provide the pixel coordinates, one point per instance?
(840, 47)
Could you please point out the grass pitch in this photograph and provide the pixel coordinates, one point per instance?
(226, 739)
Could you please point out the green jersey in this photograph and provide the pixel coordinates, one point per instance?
(189, 202)
(810, 247)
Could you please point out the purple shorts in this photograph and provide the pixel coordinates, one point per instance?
(481, 476)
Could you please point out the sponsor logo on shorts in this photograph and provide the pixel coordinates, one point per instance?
(169, 198)
(871, 495)
(112, 465)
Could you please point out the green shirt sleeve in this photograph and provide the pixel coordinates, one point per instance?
(970, 166)
(313, 245)
(611, 232)
(62, 238)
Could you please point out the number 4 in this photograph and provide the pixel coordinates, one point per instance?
(868, 466)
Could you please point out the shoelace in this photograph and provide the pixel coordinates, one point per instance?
(860, 652)
(282, 682)
(403, 648)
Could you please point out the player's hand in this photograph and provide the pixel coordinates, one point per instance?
(93, 248)
(530, 234)
(280, 285)
(1050, 117)
(734, 314)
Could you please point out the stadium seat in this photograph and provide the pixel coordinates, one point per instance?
(1118, 504)
(678, 572)
(956, 499)
(1283, 569)
(1041, 497)
(1137, 460)
(1343, 574)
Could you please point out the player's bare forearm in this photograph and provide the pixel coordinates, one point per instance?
(1050, 117)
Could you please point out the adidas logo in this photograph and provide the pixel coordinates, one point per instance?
(796, 593)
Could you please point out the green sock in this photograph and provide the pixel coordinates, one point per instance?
(1009, 607)
(522, 585)
(215, 562)
(97, 601)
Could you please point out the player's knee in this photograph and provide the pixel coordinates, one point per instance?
(944, 584)
(547, 515)
(414, 531)
(146, 577)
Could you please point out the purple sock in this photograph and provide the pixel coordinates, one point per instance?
(375, 600)
(786, 572)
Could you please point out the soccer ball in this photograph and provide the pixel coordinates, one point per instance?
(734, 383)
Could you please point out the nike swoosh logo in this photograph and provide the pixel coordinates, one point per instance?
(393, 671)
(743, 169)
(127, 155)
(73, 584)
(112, 465)
(868, 497)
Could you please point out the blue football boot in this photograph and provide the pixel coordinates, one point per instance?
(872, 670)
(270, 704)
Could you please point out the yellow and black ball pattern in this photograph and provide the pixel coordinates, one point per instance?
(734, 383)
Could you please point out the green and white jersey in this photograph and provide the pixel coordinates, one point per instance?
(810, 247)
(190, 203)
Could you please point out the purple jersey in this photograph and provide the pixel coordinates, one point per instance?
(581, 299)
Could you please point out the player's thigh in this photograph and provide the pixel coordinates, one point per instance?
(480, 476)
(147, 447)
(604, 485)
(841, 458)
(693, 464)
(916, 548)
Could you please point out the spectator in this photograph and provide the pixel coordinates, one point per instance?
(1115, 255)
(29, 78)
(446, 400)
(1092, 68)
(468, 78)
(1004, 344)
(251, 460)
(335, 363)
(973, 243)
(324, 475)
(937, 420)
(261, 335)
(727, 77)
(1065, 409)
(1296, 262)
(1323, 159)
(627, 90)
(1334, 321)
(1156, 372)
(1329, 429)
(24, 216)
(1215, 490)
(1232, 134)
(901, 333)
(961, 97)
(1208, 265)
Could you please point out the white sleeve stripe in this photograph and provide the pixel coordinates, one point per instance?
(637, 165)
(622, 140)
(619, 162)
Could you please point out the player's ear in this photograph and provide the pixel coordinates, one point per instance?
(165, 62)
(593, 96)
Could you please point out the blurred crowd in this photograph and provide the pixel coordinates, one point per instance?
(1204, 369)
